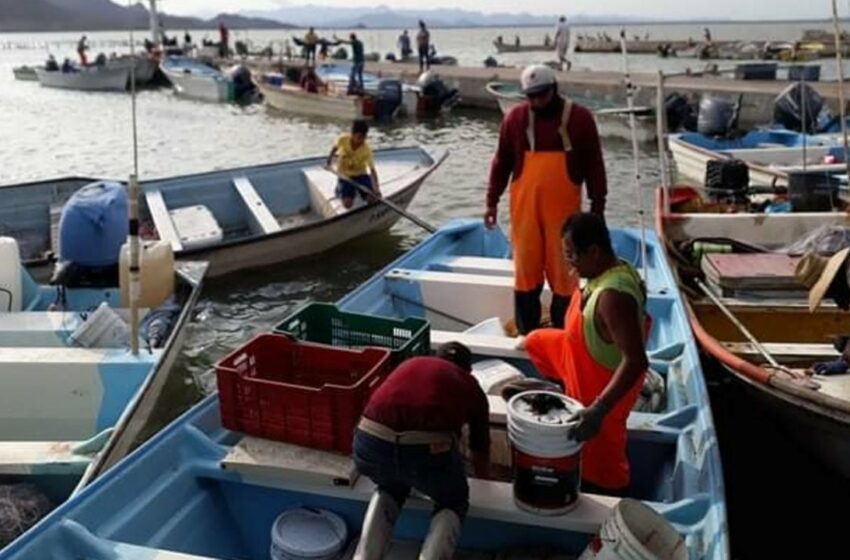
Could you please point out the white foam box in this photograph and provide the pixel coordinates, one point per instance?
(196, 227)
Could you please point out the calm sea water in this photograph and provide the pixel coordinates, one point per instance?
(49, 133)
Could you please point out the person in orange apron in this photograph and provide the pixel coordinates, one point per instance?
(548, 147)
(599, 356)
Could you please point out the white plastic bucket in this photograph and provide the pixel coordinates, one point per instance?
(635, 531)
(308, 534)
(546, 465)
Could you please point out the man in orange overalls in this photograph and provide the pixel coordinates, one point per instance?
(548, 147)
(599, 356)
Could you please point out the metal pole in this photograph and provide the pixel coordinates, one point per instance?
(154, 22)
(840, 69)
(133, 195)
(661, 132)
(635, 149)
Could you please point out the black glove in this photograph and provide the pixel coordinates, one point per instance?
(837, 367)
(586, 423)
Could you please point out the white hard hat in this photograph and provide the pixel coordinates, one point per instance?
(536, 78)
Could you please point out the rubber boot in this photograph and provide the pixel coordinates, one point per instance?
(377, 527)
(442, 536)
(527, 310)
(558, 310)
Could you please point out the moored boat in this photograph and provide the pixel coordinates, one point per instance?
(756, 284)
(193, 79)
(144, 66)
(235, 218)
(611, 121)
(25, 73)
(502, 47)
(198, 490)
(89, 78)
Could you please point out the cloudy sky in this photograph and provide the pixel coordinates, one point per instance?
(737, 9)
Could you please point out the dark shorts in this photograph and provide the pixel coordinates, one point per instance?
(396, 469)
(344, 189)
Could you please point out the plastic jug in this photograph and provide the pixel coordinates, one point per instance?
(156, 260)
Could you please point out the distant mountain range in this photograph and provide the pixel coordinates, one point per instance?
(384, 16)
(95, 15)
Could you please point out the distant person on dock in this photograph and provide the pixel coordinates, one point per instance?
(599, 356)
(82, 47)
(358, 62)
(548, 148)
(516, 41)
(408, 439)
(224, 40)
(311, 40)
(423, 43)
(827, 277)
(547, 41)
(562, 42)
(187, 40)
(404, 45)
(706, 34)
(356, 163)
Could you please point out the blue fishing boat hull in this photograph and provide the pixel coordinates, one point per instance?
(181, 493)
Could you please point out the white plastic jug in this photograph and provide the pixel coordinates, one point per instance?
(11, 284)
(156, 260)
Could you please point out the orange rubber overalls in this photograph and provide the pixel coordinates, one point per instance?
(542, 198)
(563, 355)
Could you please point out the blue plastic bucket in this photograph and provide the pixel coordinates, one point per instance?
(308, 534)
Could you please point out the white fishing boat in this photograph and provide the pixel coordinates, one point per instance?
(145, 66)
(234, 218)
(336, 105)
(25, 73)
(89, 78)
(195, 80)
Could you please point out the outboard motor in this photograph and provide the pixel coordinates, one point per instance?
(798, 108)
(727, 180)
(717, 116)
(435, 93)
(681, 113)
(812, 191)
(92, 229)
(243, 85)
(388, 99)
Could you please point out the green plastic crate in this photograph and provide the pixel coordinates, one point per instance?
(323, 323)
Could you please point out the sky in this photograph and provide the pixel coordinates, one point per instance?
(662, 9)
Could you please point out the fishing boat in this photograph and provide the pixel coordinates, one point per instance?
(193, 79)
(612, 121)
(73, 397)
(145, 66)
(502, 47)
(755, 321)
(25, 73)
(198, 490)
(235, 218)
(89, 78)
(770, 155)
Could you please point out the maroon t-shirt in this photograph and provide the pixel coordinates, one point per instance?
(433, 395)
(585, 160)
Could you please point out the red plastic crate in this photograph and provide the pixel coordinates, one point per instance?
(303, 393)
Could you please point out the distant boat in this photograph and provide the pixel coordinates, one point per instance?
(513, 48)
(25, 73)
(770, 154)
(89, 78)
(234, 218)
(70, 401)
(145, 66)
(335, 104)
(195, 80)
(611, 120)
(199, 490)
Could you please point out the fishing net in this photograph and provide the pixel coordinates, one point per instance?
(21, 507)
(825, 240)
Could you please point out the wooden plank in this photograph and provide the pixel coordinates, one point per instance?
(751, 271)
(263, 458)
(162, 219)
(263, 221)
(41, 457)
(790, 351)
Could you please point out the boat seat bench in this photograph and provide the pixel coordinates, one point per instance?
(262, 220)
(162, 219)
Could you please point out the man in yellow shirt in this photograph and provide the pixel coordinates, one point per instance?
(355, 159)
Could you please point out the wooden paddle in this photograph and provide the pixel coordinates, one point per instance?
(391, 205)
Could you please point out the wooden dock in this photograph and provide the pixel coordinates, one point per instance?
(756, 101)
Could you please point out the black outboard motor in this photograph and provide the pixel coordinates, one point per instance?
(718, 116)
(812, 191)
(436, 93)
(797, 108)
(681, 113)
(243, 86)
(388, 99)
(727, 180)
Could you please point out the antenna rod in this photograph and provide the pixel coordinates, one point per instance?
(635, 150)
(133, 196)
